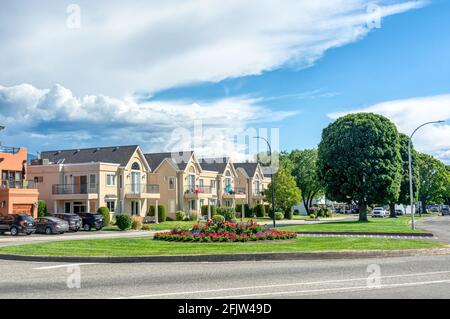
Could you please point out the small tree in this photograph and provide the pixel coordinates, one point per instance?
(359, 161)
(42, 208)
(106, 215)
(260, 211)
(287, 194)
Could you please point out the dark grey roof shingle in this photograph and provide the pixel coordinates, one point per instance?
(214, 164)
(249, 168)
(155, 159)
(114, 154)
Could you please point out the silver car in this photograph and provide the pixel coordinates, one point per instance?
(51, 225)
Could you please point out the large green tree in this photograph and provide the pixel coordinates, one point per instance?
(304, 170)
(359, 161)
(287, 194)
(447, 199)
(433, 180)
(404, 196)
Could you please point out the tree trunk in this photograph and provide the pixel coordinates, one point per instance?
(305, 203)
(363, 212)
(424, 208)
(392, 210)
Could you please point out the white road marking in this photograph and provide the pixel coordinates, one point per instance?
(328, 290)
(63, 266)
(279, 285)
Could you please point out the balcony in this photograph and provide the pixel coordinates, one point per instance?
(199, 191)
(142, 191)
(237, 192)
(258, 193)
(18, 185)
(74, 189)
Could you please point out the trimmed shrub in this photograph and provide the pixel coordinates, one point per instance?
(313, 216)
(162, 216)
(260, 211)
(218, 218)
(42, 208)
(137, 224)
(227, 212)
(248, 211)
(106, 215)
(193, 217)
(289, 214)
(123, 221)
(238, 209)
(169, 219)
(279, 216)
(146, 227)
(180, 215)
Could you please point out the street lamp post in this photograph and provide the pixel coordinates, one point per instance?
(411, 191)
(271, 179)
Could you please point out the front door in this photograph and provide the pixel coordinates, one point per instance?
(67, 208)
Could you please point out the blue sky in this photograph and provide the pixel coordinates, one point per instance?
(231, 71)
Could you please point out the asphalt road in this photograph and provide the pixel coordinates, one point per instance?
(439, 226)
(408, 277)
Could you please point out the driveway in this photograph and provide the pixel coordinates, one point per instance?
(7, 240)
(439, 226)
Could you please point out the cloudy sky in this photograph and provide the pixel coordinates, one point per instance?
(182, 74)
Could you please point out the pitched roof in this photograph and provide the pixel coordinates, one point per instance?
(267, 171)
(114, 154)
(155, 159)
(249, 168)
(214, 164)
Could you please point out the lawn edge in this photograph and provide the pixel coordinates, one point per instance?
(343, 254)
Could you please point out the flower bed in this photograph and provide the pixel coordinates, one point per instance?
(225, 232)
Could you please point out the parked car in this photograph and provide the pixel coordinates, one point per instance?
(379, 212)
(445, 210)
(73, 219)
(435, 209)
(17, 224)
(51, 225)
(91, 220)
(399, 212)
(339, 210)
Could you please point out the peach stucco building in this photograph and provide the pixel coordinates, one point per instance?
(17, 194)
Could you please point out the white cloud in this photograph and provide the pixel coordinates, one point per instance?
(55, 118)
(123, 47)
(408, 114)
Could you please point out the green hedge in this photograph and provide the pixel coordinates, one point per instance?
(260, 211)
(227, 212)
(123, 221)
(162, 215)
(42, 208)
(205, 210)
(106, 215)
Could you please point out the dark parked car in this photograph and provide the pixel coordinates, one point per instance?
(399, 212)
(73, 219)
(17, 224)
(51, 225)
(91, 220)
(445, 210)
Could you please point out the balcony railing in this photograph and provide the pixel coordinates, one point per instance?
(258, 192)
(235, 191)
(74, 189)
(9, 150)
(198, 189)
(18, 185)
(142, 189)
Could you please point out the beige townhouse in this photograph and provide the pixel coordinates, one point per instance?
(251, 177)
(82, 180)
(228, 192)
(184, 184)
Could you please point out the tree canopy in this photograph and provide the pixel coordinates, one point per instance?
(287, 193)
(359, 161)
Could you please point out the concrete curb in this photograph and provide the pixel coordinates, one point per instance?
(419, 235)
(236, 257)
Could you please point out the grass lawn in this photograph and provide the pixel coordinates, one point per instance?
(386, 225)
(149, 247)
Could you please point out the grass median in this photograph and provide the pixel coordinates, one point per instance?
(149, 247)
(374, 225)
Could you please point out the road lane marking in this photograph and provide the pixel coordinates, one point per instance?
(278, 285)
(63, 266)
(328, 290)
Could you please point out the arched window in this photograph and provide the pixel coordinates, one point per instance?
(228, 173)
(136, 166)
(192, 170)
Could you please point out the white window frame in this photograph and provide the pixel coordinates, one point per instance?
(113, 202)
(114, 182)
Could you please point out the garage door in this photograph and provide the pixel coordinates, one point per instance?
(23, 209)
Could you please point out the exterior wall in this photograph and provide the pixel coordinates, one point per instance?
(20, 197)
(167, 195)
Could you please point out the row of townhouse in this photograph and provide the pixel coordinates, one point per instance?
(126, 180)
